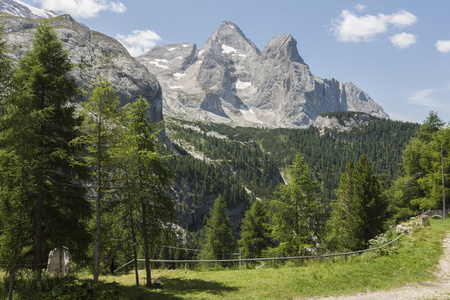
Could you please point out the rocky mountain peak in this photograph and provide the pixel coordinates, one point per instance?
(92, 54)
(282, 47)
(230, 81)
(20, 9)
(229, 39)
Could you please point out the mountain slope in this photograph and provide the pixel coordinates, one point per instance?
(20, 9)
(93, 54)
(231, 81)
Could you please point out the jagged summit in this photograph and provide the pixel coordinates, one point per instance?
(229, 39)
(282, 47)
(231, 80)
(20, 9)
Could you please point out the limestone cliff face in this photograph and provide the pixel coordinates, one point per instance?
(93, 54)
(343, 123)
(231, 80)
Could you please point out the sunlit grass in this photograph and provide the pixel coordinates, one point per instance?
(414, 260)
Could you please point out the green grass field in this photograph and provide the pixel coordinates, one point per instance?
(414, 260)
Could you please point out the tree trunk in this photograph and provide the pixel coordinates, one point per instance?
(37, 261)
(134, 246)
(146, 251)
(16, 256)
(98, 205)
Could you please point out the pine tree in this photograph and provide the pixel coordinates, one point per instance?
(38, 124)
(255, 231)
(219, 241)
(297, 215)
(360, 210)
(144, 175)
(100, 128)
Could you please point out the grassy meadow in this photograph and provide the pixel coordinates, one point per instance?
(413, 260)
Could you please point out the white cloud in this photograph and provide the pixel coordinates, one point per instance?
(403, 40)
(350, 27)
(82, 8)
(360, 7)
(139, 41)
(424, 98)
(443, 46)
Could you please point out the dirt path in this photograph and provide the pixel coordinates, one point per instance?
(423, 290)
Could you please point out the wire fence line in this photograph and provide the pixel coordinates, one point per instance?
(261, 258)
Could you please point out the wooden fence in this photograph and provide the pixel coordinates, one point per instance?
(261, 258)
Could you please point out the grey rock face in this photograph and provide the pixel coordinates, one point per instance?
(346, 124)
(272, 88)
(93, 54)
(20, 9)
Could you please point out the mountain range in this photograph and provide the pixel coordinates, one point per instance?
(229, 80)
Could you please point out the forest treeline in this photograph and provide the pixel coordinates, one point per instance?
(95, 178)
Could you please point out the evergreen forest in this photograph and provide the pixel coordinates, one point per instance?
(96, 178)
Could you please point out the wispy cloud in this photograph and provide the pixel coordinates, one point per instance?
(360, 7)
(139, 41)
(82, 8)
(443, 46)
(424, 98)
(349, 27)
(403, 40)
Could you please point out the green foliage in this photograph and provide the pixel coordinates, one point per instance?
(84, 290)
(296, 215)
(100, 129)
(41, 176)
(252, 156)
(420, 187)
(255, 231)
(220, 243)
(360, 211)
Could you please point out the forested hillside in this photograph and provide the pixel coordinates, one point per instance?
(243, 162)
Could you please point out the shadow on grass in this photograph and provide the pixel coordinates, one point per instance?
(182, 287)
(172, 288)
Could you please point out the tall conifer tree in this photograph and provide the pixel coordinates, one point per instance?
(297, 214)
(38, 124)
(219, 241)
(100, 131)
(144, 176)
(255, 231)
(360, 210)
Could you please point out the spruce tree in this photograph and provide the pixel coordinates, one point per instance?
(255, 231)
(38, 124)
(144, 176)
(100, 131)
(297, 214)
(360, 210)
(219, 241)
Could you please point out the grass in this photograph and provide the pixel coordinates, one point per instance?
(414, 260)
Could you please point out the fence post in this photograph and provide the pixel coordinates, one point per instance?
(380, 251)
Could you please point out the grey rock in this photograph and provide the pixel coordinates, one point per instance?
(345, 124)
(20, 9)
(93, 54)
(273, 88)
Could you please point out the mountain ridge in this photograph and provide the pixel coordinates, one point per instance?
(230, 80)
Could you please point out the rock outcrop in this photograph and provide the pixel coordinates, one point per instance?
(231, 80)
(20, 9)
(93, 54)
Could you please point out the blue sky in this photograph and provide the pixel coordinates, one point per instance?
(396, 51)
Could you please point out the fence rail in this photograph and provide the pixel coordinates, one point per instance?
(261, 258)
